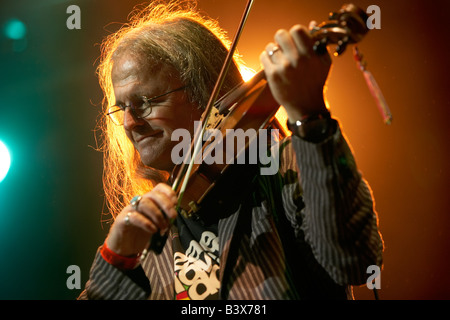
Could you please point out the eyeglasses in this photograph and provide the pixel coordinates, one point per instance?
(117, 112)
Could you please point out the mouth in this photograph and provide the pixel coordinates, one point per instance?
(153, 134)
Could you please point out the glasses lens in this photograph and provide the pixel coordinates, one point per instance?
(145, 109)
(116, 115)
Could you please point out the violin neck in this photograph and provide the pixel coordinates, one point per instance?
(228, 100)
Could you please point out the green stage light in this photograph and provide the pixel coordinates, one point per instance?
(5, 161)
(15, 29)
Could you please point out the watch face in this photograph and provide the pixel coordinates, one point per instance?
(314, 129)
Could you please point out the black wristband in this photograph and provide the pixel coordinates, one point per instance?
(314, 128)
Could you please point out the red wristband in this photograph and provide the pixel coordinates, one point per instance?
(118, 261)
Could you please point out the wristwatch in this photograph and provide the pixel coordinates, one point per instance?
(314, 128)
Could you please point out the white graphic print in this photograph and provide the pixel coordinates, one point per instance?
(196, 272)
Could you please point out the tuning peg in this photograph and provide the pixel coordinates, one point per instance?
(332, 16)
(341, 46)
(320, 46)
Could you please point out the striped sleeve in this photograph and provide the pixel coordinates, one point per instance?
(338, 219)
(106, 282)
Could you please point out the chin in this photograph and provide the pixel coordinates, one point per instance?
(161, 164)
(163, 167)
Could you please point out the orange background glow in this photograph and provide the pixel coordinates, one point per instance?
(405, 163)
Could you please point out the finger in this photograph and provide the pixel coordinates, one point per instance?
(302, 39)
(312, 25)
(270, 69)
(266, 61)
(287, 45)
(168, 191)
(135, 219)
(150, 208)
(271, 48)
(165, 198)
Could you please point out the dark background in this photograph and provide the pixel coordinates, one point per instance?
(51, 201)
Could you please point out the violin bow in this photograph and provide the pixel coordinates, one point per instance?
(158, 241)
(206, 114)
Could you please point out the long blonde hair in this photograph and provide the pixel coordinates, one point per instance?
(174, 33)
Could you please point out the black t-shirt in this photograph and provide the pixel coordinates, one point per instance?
(196, 260)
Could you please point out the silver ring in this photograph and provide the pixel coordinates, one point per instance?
(127, 219)
(135, 202)
(274, 49)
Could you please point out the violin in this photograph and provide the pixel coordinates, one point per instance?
(249, 106)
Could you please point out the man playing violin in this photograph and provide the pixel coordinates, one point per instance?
(308, 232)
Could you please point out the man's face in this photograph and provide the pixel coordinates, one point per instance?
(133, 78)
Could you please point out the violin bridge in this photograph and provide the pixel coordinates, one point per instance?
(194, 206)
(214, 118)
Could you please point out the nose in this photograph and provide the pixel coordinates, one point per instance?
(130, 120)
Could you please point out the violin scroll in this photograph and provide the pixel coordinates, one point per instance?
(346, 26)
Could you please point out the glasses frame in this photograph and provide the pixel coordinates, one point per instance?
(133, 108)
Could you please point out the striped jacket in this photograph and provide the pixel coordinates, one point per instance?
(308, 232)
